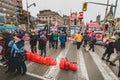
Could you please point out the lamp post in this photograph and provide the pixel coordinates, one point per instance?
(28, 20)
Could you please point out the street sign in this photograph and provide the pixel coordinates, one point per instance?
(80, 15)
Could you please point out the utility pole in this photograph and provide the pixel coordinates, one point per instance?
(106, 12)
(115, 8)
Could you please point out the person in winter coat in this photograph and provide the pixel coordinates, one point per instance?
(55, 39)
(50, 38)
(33, 41)
(85, 39)
(2, 47)
(109, 50)
(62, 38)
(78, 38)
(42, 44)
(17, 52)
(92, 42)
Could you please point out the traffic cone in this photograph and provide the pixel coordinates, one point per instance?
(62, 63)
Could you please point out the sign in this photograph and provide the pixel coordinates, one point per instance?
(73, 16)
(80, 15)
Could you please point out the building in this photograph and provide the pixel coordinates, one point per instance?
(8, 10)
(48, 17)
(66, 20)
(98, 18)
(11, 12)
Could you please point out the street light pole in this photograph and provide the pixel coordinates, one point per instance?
(115, 8)
(28, 16)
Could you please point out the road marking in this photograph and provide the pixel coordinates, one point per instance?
(36, 76)
(104, 69)
(53, 71)
(82, 70)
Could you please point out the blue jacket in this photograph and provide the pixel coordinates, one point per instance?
(62, 38)
(16, 47)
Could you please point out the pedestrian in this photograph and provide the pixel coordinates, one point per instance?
(18, 53)
(62, 38)
(78, 38)
(117, 47)
(2, 47)
(85, 39)
(92, 42)
(109, 50)
(42, 41)
(55, 39)
(50, 38)
(33, 41)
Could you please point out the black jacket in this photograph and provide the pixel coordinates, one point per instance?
(33, 40)
(110, 47)
(117, 44)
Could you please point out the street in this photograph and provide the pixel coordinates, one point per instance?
(89, 66)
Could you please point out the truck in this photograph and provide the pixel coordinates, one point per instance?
(98, 30)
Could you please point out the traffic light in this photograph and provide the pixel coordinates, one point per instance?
(114, 22)
(84, 6)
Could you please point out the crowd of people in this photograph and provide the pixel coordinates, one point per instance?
(12, 46)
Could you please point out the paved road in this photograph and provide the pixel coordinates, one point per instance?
(90, 66)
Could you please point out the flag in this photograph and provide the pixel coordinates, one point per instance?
(55, 22)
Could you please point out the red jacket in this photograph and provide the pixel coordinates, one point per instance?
(2, 43)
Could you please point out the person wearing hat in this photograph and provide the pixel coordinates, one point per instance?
(33, 41)
(17, 53)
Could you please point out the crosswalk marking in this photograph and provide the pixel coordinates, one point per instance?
(82, 70)
(53, 71)
(104, 69)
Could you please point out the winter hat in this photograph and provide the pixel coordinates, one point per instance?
(19, 36)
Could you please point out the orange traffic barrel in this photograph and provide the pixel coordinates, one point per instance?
(67, 65)
(48, 60)
(62, 63)
(53, 62)
(73, 66)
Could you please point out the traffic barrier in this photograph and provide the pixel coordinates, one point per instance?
(48, 60)
(62, 63)
(67, 65)
(28, 55)
(73, 66)
(53, 62)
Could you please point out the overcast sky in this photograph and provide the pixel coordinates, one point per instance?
(65, 6)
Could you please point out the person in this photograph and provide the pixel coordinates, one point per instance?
(55, 40)
(78, 38)
(62, 38)
(42, 44)
(109, 50)
(50, 38)
(117, 47)
(92, 42)
(33, 41)
(2, 47)
(17, 53)
(85, 39)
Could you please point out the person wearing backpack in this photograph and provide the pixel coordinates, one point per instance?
(92, 42)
